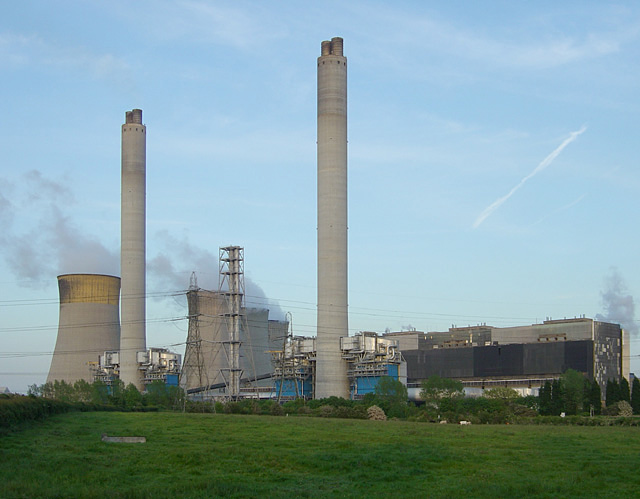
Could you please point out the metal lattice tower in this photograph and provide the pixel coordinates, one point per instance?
(232, 287)
(194, 362)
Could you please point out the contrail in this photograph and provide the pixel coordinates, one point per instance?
(562, 208)
(545, 162)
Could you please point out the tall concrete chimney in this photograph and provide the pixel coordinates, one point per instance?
(132, 247)
(333, 322)
(89, 324)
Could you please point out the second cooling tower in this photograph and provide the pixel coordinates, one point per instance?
(331, 370)
(89, 324)
(132, 247)
(206, 358)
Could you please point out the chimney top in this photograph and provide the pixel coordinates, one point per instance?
(333, 47)
(134, 116)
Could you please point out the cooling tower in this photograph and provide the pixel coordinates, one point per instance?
(333, 323)
(132, 249)
(206, 357)
(88, 325)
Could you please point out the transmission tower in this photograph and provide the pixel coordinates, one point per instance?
(288, 371)
(193, 372)
(232, 287)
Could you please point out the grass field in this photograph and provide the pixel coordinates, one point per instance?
(209, 455)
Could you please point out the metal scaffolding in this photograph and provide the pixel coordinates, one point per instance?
(232, 287)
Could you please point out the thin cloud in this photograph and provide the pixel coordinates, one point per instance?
(543, 164)
(22, 51)
(559, 210)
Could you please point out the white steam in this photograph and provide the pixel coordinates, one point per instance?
(618, 304)
(47, 242)
(172, 267)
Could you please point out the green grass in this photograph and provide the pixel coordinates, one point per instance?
(209, 455)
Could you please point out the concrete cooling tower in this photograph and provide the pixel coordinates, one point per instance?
(206, 358)
(333, 323)
(89, 324)
(132, 246)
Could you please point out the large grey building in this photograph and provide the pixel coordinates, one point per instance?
(89, 325)
(207, 356)
(522, 355)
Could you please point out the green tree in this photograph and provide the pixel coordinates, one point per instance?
(392, 390)
(595, 397)
(99, 393)
(624, 390)
(132, 397)
(47, 390)
(557, 398)
(160, 394)
(82, 391)
(436, 389)
(612, 393)
(63, 391)
(635, 395)
(545, 399)
(572, 383)
(116, 393)
(392, 397)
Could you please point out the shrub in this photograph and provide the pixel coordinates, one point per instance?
(304, 411)
(277, 410)
(620, 408)
(17, 409)
(376, 414)
(325, 411)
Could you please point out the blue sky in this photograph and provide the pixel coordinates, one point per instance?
(453, 107)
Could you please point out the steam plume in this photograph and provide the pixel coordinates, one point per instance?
(619, 306)
(169, 275)
(543, 164)
(49, 243)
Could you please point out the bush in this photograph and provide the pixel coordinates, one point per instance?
(17, 409)
(620, 408)
(325, 411)
(376, 414)
(277, 410)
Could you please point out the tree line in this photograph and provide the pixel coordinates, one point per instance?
(157, 394)
(442, 399)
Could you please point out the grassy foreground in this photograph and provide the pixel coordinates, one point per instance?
(211, 455)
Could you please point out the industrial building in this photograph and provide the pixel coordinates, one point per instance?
(207, 354)
(87, 346)
(228, 350)
(88, 325)
(155, 364)
(368, 357)
(522, 357)
(233, 350)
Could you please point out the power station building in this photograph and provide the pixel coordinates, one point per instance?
(231, 347)
(367, 356)
(520, 357)
(89, 324)
(207, 359)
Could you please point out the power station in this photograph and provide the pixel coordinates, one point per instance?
(234, 351)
